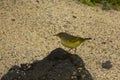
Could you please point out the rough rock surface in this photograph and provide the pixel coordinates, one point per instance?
(59, 65)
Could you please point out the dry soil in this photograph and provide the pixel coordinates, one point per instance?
(27, 28)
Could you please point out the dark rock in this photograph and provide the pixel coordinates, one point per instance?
(58, 65)
(107, 65)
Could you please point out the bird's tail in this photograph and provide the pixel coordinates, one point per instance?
(87, 38)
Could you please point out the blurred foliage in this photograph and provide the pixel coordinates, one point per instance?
(106, 4)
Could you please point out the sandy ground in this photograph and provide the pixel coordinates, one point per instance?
(27, 28)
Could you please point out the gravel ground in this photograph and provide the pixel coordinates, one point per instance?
(27, 28)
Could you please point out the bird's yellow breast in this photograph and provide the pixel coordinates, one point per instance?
(69, 44)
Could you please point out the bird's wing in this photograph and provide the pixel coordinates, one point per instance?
(73, 39)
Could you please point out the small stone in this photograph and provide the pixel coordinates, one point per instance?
(103, 42)
(12, 19)
(74, 17)
(37, 1)
(107, 65)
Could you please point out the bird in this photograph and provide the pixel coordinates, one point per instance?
(70, 41)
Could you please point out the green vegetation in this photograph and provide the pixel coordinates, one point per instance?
(106, 4)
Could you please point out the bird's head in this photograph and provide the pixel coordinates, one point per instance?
(62, 35)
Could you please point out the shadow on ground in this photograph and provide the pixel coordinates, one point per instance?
(58, 65)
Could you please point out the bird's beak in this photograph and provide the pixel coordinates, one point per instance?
(55, 35)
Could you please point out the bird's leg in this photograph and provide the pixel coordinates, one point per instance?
(75, 50)
(69, 49)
